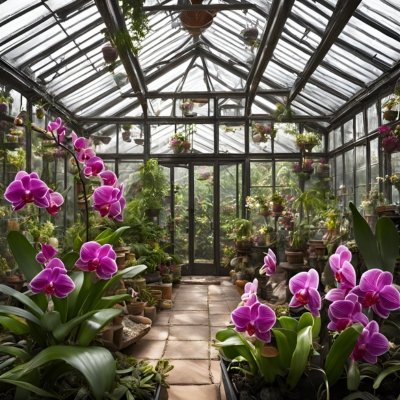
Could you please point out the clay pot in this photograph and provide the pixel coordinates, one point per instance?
(110, 54)
(294, 257)
(126, 136)
(136, 307)
(186, 145)
(277, 208)
(118, 319)
(240, 276)
(240, 284)
(150, 313)
(152, 277)
(120, 261)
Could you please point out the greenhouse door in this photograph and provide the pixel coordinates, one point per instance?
(195, 212)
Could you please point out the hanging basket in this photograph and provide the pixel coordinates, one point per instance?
(391, 115)
(306, 146)
(197, 21)
(100, 139)
(126, 136)
(110, 53)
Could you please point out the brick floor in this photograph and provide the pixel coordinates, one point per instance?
(184, 335)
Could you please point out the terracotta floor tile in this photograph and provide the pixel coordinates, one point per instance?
(157, 333)
(191, 297)
(189, 318)
(215, 371)
(220, 319)
(191, 372)
(232, 304)
(185, 350)
(190, 332)
(147, 349)
(204, 392)
(190, 305)
(162, 319)
(193, 289)
(219, 308)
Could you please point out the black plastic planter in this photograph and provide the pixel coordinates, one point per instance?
(230, 392)
(161, 393)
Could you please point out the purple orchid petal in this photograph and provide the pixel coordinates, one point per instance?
(109, 178)
(55, 263)
(348, 276)
(83, 266)
(47, 253)
(314, 304)
(39, 282)
(298, 282)
(89, 251)
(266, 318)
(389, 297)
(334, 262)
(336, 294)
(295, 303)
(52, 126)
(41, 202)
(104, 250)
(313, 279)
(384, 279)
(263, 336)
(369, 280)
(55, 201)
(341, 309)
(380, 310)
(64, 285)
(344, 254)
(103, 195)
(241, 317)
(14, 192)
(52, 281)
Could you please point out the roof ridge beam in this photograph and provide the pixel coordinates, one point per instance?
(337, 23)
(280, 11)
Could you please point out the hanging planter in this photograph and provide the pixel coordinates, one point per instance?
(249, 35)
(261, 133)
(305, 146)
(97, 140)
(196, 22)
(110, 53)
(40, 113)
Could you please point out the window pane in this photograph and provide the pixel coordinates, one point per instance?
(372, 117)
(360, 131)
(348, 131)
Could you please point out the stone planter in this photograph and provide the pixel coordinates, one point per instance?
(240, 275)
(151, 313)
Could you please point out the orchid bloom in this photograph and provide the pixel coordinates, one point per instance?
(347, 282)
(47, 254)
(269, 267)
(27, 188)
(255, 319)
(337, 261)
(58, 126)
(98, 258)
(79, 143)
(249, 289)
(93, 167)
(109, 178)
(104, 197)
(304, 289)
(53, 280)
(55, 202)
(375, 290)
(344, 313)
(370, 344)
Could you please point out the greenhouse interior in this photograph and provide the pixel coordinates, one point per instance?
(199, 199)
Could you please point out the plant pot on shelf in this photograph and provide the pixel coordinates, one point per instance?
(150, 313)
(136, 307)
(277, 208)
(294, 257)
(152, 277)
(186, 145)
(239, 244)
(240, 275)
(240, 284)
(246, 244)
(120, 260)
(140, 142)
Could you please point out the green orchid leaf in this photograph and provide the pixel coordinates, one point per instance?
(361, 396)
(70, 259)
(291, 337)
(341, 351)
(24, 254)
(112, 239)
(300, 356)
(386, 372)
(38, 333)
(92, 326)
(388, 242)
(107, 232)
(51, 320)
(285, 355)
(61, 306)
(30, 388)
(108, 302)
(353, 376)
(14, 325)
(289, 323)
(15, 351)
(95, 363)
(19, 312)
(268, 366)
(316, 327)
(25, 300)
(305, 320)
(366, 240)
(83, 283)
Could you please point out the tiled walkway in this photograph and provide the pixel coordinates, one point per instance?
(183, 336)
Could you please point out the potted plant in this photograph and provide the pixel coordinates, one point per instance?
(179, 143)
(308, 140)
(110, 53)
(241, 230)
(391, 108)
(126, 134)
(40, 104)
(323, 168)
(391, 138)
(186, 106)
(250, 35)
(278, 202)
(262, 132)
(297, 244)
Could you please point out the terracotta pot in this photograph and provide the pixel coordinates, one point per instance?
(120, 261)
(277, 208)
(157, 294)
(118, 319)
(246, 244)
(151, 313)
(240, 276)
(239, 244)
(240, 284)
(136, 307)
(294, 257)
(110, 54)
(306, 146)
(320, 250)
(186, 145)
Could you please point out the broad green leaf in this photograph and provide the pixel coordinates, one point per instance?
(300, 356)
(341, 351)
(388, 242)
(285, 355)
(112, 239)
(107, 232)
(87, 286)
(70, 259)
(15, 351)
(78, 242)
(316, 327)
(95, 363)
(365, 240)
(386, 372)
(268, 366)
(38, 333)
(30, 387)
(61, 306)
(305, 320)
(33, 378)
(353, 376)
(289, 323)
(291, 337)
(92, 326)
(77, 278)
(24, 254)
(61, 332)
(109, 301)
(14, 325)
(32, 307)
(361, 396)
(51, 320)
(20, 313)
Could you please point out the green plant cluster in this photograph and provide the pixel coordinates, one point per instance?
(309, 138)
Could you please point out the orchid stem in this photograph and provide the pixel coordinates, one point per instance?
(83, 186)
